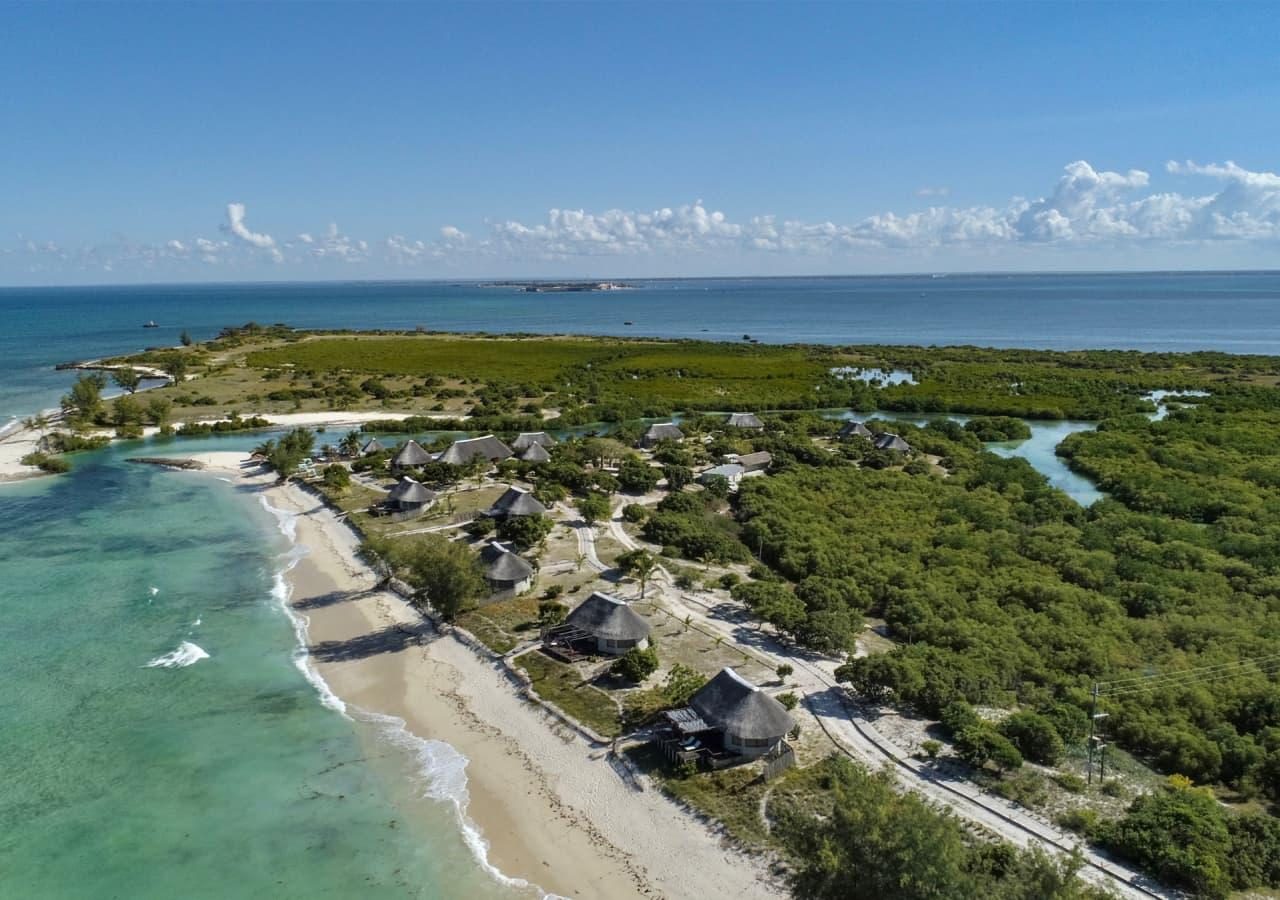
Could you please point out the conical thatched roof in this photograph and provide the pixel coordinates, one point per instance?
(890, 441)
(487, 447)
(516, 502)
(411, 492)
(501, 564)
(603, 616)
(744, 420)
(373, 446)
(411, 454)
(731, 702)
(526, 439)
(855, 429)
(535, 453)
(754, 462)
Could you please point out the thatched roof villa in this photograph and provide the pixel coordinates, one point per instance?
(661, 431)
(515, 502)
(410, 455)
(609, 623)
(535, 453)
(487, 448)
(752, 722)
(409, 496)
(744, 420)
(890, 441)
(372, 446)
(852, 430)
(526, 439)
(506, 571)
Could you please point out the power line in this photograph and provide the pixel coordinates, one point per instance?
(1141, 684)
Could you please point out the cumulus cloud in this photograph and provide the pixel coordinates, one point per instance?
(235, 224)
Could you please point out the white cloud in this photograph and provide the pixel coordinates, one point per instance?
(235, 224)
(927, 191)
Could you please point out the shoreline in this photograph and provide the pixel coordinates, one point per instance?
(537, 804)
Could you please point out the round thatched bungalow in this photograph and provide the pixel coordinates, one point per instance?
(852, 430)
(409, 496)
(744, 420)
(488, 448)
(614, 625)
(661, 431)
(535, 453)
(753, 722)
(890, 441)
(410, 455)
(373, 446)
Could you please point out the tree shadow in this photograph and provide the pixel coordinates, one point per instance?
(332, 598)
(391, 639)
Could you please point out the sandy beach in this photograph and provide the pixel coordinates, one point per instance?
(548, 805)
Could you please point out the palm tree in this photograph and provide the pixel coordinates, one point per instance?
(350, 443)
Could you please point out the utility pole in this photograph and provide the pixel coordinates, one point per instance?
(1096, 742)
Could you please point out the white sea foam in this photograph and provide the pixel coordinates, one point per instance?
(9, 426)
(187, 654)
(287, 522)
(443, 771)
(154, 590)
(196, 623)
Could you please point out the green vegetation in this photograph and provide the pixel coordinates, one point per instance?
(501, 626)
(54, 465)
(565, 687)
(446, 574)
(636, 664)
(640, 564)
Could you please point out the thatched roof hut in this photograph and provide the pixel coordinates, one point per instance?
(616, 626)
(410, 454)
(755, 462)
(526, 439)
(890, 441)
(535, 453)
(855, 429)
(504, 569)
(515, 502)
(744, 420)
(488, 448)
(409, 494)
(752, 721)
(661, 431)
(373, 446)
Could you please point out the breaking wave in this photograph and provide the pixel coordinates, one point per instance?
(187, 654)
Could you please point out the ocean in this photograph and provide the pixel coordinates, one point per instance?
(162, 733)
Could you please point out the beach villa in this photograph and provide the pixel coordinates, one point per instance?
(410, 455)
(728, 721)
(852, 430)
(515, 502)
(409, 498)
(600, 624)
(534, 453)
(744, 420)
(892, 442)
(488, 448)
(661, 431)
(508, 573)
(526, 439)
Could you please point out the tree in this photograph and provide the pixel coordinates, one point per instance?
(640, 564)
(717, 486)
(1034, 736)
(350, 443)
(677, 476)
(126, 378)
(175, 366)
(159, 409)
(286, 454)
(636, 664)
(636, 476)
(593, 508)
(446, 574)
(525, 532)
(84, 401)
(337, 478)
(980, 744)
(551, 612)
(784, 671)
(185, 338)
(127, 411)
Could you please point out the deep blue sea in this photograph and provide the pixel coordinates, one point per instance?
(229, 775)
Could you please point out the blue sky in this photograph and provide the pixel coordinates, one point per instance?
(295, 141)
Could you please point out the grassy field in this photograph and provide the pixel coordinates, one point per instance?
(564, 686)
(501, 626)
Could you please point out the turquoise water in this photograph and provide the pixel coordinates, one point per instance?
(226, 777)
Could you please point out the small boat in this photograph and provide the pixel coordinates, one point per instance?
(151, 323)
(628, 322)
